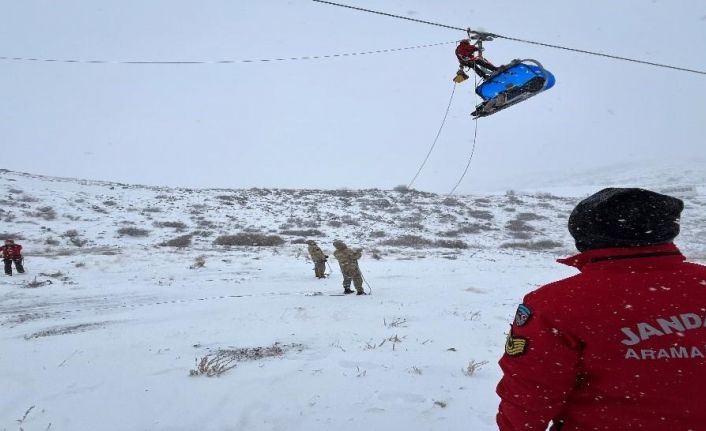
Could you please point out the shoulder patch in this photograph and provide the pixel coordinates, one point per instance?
(522, 315)
(515, 346)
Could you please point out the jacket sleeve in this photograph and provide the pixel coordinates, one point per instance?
(539, 370)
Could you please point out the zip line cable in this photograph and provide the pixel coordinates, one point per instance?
(261, 60)
(499, 36)
(443, 122)
(390, 15)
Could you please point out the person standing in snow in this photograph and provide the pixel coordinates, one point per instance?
(622, 344)
(318, 257)
(12, 252)
(348, 261)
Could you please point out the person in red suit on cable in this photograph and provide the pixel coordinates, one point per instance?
(470, 57)
(622, 344)
(12, 253)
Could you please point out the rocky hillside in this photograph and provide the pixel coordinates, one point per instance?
(67, 216)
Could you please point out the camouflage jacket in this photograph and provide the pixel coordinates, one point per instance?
(316, 254)
(348, 260)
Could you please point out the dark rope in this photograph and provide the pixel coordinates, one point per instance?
(438, 133)
(468, 165)
(548, 45)
(473, 150)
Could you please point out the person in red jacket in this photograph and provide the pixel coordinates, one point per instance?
(12, 252)
(470, 57)
(622, 344)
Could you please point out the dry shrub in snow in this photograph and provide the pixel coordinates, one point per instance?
(78, 242)
(377, 234)
(205, 224)
(27, 198)
(540, 245)
(547, 196)
(306, 232)
(202, 233)
(413, 241)
(402, 189)
(217, 363)
(528, 217)
(517, 225)
(350, 221)
(179, 226)
(72, 233)
(7, 235)
(480, 214)
(98, 209)
(412, 225)
(35, 284)
(180, 241)
(51, 241)
(46, 213)
(451, 202)
(74, 237)
(133, 231)
(249, 239)
(466, 228)
(63, 330)
(521, 235)
(214, 364)
(472, 367)
(199, 262)
(450, 243)
(310, 224)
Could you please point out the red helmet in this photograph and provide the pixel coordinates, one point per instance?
(464, 42)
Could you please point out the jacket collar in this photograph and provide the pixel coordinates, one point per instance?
(612, 255)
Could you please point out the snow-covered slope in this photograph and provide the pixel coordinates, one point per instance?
(141, 291)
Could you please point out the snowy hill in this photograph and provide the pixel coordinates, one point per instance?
(683, 179)
(131, 289)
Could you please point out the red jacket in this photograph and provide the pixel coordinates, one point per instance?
(465, 50)
(13, 251)
(620, 346)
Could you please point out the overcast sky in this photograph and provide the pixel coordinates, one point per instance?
(357, 122)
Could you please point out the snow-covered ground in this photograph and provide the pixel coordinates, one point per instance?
(110, 344)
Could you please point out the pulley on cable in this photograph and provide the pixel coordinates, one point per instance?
(503, 86)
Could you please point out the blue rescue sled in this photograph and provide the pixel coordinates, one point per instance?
(511, 84)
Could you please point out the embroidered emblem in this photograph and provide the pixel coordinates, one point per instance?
(522, 315)
(515, 346)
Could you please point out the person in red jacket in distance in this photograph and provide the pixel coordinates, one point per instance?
(12, 252)
(621, 345)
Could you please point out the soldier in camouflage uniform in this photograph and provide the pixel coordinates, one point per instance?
(348, 260)
(318, 257)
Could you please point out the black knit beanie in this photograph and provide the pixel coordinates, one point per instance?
(630, 217)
